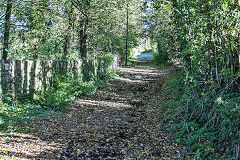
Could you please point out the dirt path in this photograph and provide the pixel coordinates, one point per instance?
(118, 122)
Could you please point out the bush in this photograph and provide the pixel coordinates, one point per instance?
(108, 59)
(207, 122)
(63, 91)
(105, 70)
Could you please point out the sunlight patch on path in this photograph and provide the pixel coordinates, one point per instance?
(147, 72)
(128, 80)
(104, 103)
(22, 146)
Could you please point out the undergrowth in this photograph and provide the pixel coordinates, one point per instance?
(206, 124)
(54, 99)
(11, 115)
(63, 91)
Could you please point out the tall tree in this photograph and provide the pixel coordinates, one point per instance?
(68, 32)
(7, 29)
(83, 7)
(127, 25)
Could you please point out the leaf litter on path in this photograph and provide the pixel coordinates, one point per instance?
(118, 122)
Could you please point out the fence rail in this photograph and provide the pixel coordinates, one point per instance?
(21, 77)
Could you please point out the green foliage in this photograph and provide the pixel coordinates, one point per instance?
(209, 115)
(66, 88)
(211, 125)
(52, 29)
(204, 34)
(55, 98)
(172, 92)
(175, 86)
(148, 51)
(63, 90)
(106, 58)
(19, 112)
(207, 123)
(105, 70)
(160, 61)
(161, 31)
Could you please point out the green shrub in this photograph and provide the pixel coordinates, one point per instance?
(105, 70)
(63, 91)
(175, 85)
(207, 123)
(107, 58)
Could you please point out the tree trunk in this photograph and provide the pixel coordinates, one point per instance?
(83, 48)
(83, 37)
(126, 55)
(68, 35)
(7, 30)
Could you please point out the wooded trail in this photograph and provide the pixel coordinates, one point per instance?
(118, 122)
